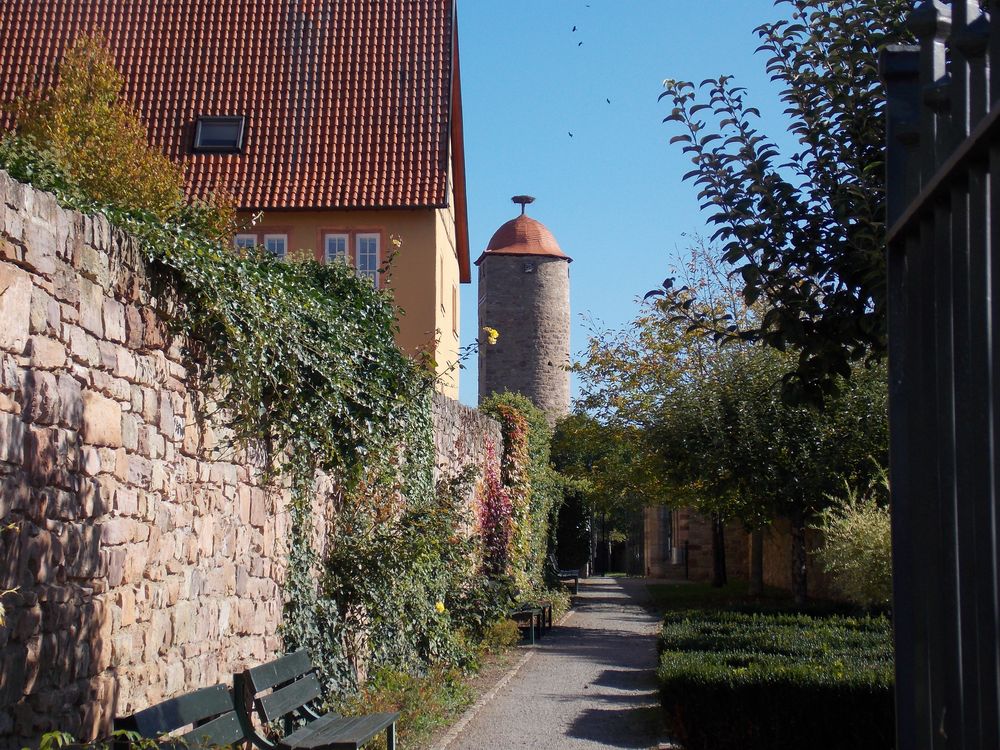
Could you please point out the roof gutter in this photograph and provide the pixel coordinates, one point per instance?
(458, 157)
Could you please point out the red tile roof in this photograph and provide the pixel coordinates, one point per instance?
(349, 103)
(524, 236)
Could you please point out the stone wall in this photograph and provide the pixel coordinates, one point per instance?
(460, 438)
(146, 555)
(145, 563)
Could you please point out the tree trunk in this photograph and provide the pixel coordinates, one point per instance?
(718, 552)
(799, 589)
(756, 562)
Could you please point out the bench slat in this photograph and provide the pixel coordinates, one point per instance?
(220, 732)
(290, 697)
(179, 712)
(279, 671)
(339, 731)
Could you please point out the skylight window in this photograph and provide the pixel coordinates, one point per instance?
(219, 135)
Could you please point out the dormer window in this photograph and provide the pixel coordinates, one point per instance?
(219, 135)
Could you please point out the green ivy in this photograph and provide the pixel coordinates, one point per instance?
(542, 483)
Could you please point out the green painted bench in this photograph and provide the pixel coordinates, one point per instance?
(564, 574)
(210, 712)
(533, 617)
(288, 688)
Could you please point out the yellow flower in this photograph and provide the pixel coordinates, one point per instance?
(439, 607)
(492, 334)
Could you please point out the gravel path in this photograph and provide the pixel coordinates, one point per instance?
(588, 684)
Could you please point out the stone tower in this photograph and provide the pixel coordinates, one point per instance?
(524, 295)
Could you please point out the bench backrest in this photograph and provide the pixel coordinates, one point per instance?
(210, 710)
(292, 680)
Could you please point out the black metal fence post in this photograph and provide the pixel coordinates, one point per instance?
(943, 199)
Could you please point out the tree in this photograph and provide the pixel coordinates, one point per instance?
(706, 416)
(612, 475)
(630, 378)
(805, 232)
(97, 139)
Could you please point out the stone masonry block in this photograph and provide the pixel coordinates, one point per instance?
(41, 397)
(15, 308)
(44, 313)
(70, 402)
(40, 247)
(92, 307)
(11, 438)
(46, 353)
(102, 420)
(114, 320)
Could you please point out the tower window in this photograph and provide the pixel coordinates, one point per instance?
(529, 267)
(219, 135)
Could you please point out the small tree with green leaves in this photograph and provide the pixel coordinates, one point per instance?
(804, 231)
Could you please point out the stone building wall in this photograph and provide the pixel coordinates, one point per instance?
(696, 530)
(531, 312)
(147, 556)
(778, 561)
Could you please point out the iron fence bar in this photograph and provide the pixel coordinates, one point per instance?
(900, 69)
(972, 384)
(931, 23)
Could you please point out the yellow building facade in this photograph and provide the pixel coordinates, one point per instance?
(416, 257)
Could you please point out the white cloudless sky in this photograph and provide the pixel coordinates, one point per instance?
(612, 192)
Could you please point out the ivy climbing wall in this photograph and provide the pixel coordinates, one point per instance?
(146, 555)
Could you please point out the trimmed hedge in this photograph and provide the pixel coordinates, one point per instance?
(730, 680)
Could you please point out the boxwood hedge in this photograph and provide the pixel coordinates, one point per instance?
(764, 681)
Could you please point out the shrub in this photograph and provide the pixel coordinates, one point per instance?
(100, 141)
(857, 546)
(499, 636)
(733, 680)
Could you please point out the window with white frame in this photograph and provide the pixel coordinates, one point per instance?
(245, 241)
(276, 244)
(367, 256)
(335, 247)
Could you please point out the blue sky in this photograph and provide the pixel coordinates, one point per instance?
(612, 193)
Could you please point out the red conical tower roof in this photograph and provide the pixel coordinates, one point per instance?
(524, 236)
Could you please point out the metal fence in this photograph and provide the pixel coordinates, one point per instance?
(943, 196)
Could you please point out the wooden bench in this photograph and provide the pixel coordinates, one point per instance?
(546, 608)
(210, 712)
(534, 617)
(564, 574)
(294, 688)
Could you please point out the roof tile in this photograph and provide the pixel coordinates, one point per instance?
(348, 102)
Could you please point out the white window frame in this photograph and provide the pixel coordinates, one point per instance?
(240, 241)
(371, 273)
(327, 236)
(284, 241)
